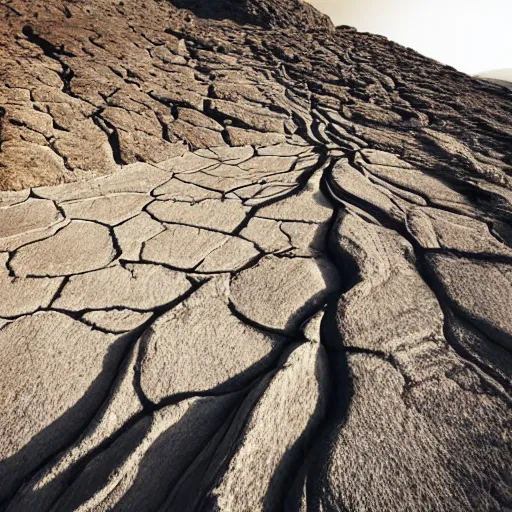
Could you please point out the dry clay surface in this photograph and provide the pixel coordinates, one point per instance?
(248, 262)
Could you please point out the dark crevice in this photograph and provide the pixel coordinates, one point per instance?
(112, 136)
(339, 386)
(66, 76)
(213, 459)
(289, 335)
(182, 496)
(48, 48)
(58, 293)
(10, 8)
(56, 53)
(94, 41)
(451, 309)
(426, 274)
(171, 103)
(165, 129)
(301, 181)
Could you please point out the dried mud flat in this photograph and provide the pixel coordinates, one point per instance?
(248, 261)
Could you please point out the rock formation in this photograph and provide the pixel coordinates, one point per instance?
(248, 262)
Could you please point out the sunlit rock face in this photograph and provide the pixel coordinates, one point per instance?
(248, 262)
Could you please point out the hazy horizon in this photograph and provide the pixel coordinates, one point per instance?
(499, 74)
(455, 32)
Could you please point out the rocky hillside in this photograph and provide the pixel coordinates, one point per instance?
(248, 262)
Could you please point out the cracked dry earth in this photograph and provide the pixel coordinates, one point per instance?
(248, 261)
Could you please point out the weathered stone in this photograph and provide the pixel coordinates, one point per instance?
(182, 247)
(262, 165)
(201, 346)
(313, 328)
(188, 162)
(206, 153)
(28, 164)
(133, 233)
(4, 258)
(78, 247)
(310, 205)
(280, 293)
(480, 290)
(197, 136)
(422, 184)
(198, 119)
(136, 286)
(402, 318)
(308, 162)
(20, 296)
(457, 151)
(51, 482)
(400, 195)
(116, 320)
(210, 214)
(502, 197)
(306, 239)
(111, 210)
(233, 155)
(261, 194)
(8, 198)
(241, 137)
(260, 118)
(135, 178)
(276, 430)
(30, 215)
(376, 157)
(70, 369)
(14, 242)
(266, 234)
(223, 178)
(231, 256)
(399, 306)
(408, 431)
(179, 191)
(496, 360)
(283, 150)
(349, 181)
(438, 229)
(138, 471)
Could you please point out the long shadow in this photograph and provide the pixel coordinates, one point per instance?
(66, 429)
(308, 478)
(290, 472)
(125, 440)
(305, 462)
(156, 470)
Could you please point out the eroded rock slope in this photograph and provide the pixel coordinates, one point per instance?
(248, 261)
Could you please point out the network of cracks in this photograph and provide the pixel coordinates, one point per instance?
(240, 319)
(289, 289)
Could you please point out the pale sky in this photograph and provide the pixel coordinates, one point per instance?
(473, 36)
